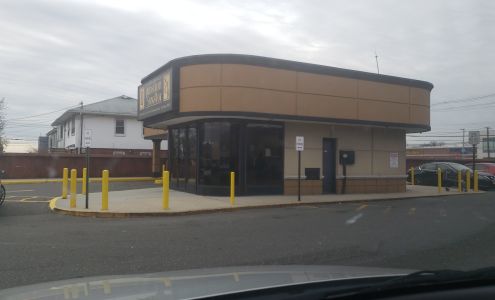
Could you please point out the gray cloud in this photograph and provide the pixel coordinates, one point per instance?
(54, 54)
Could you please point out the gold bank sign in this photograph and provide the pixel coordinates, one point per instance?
(155, 95)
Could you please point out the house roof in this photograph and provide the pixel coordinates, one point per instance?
(118, 106)
(52, 131)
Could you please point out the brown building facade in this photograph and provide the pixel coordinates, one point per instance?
(242, 113)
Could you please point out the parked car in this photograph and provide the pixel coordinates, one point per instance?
(426, 174)
(484, 167)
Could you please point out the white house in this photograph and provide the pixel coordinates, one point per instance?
(112, 124)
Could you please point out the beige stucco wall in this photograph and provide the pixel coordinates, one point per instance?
(245, 88)
(372, 146)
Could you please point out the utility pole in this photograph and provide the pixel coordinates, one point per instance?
(488, 140)
(81, 129)
(377, 68)
(463, 143)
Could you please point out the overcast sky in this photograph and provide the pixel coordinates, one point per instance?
(54, 54)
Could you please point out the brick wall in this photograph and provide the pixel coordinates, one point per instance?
(353, 186)
(25, 165)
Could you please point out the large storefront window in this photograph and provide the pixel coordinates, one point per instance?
(204, 153)
(191, 160)
(184, 156)
(174, 157)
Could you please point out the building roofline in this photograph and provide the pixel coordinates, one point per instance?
(287, 65)
(51, 131)
(73, 111)
(68, 114)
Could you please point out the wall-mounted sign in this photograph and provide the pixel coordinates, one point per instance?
(156, 94)
(394, 160)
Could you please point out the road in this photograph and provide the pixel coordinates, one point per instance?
(423, 233)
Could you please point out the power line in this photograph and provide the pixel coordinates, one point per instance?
(464, 107)
(26, 125)
(441, 141)
(470, 99)
(450, 125)
(433, 136)
(43, 114)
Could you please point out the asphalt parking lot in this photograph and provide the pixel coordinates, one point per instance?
(422, 233)
(18, 194)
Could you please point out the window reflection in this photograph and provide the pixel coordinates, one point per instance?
(203, 155)
(191, 159)
(264, 162)
(174, 162)
(183, 158)
(215, 155)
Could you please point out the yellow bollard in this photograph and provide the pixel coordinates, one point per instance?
(475, 181)
(439, 179)
(83, 187)
(468, 181)
(73, 188)
(232, 188)
(65, 183)
(166, 189)
(459, 181)
(104, 190)
(412, 175)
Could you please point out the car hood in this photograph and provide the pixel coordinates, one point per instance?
(190, 283)
(485, 174)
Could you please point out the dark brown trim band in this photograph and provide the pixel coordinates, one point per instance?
(277, 117)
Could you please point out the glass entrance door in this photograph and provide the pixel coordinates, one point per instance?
(264, 159)
(329, 166)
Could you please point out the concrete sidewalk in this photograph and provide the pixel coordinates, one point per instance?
(148, 202)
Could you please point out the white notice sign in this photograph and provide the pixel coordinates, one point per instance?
(474, 137)
(394, 160)
(87, 138)
(299, 143)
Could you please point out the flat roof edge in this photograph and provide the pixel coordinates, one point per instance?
(287, 65)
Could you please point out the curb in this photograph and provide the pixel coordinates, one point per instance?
(95, 179)
(100, 214)
(52, 203)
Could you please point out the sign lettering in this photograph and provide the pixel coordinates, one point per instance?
(156, 92)
(299, 143)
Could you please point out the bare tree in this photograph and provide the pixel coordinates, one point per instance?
(3, 140)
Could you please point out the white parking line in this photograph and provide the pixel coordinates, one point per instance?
(362, 207)
(26, 199)
(353, 220)
(18, 191)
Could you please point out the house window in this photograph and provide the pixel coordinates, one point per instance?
(68, 128)
(119, 127)
(73, 126)
(61, 132)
